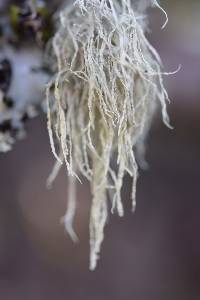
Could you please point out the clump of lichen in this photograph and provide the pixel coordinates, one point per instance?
(24, 32)
(32, 20)
(107, 87)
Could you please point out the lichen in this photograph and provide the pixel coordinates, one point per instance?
(105, 93)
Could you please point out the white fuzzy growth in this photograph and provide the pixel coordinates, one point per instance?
(106, 90)
(27, 90)
(6, 142)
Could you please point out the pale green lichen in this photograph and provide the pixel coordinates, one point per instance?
(107, 87)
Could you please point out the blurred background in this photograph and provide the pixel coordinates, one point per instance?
(152, 254)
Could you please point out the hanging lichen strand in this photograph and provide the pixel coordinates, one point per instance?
(105, 93)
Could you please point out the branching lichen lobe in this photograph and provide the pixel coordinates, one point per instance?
(106, 90)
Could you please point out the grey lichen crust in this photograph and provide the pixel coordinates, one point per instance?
(107, 88)
(24, 31)
(24, 95)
